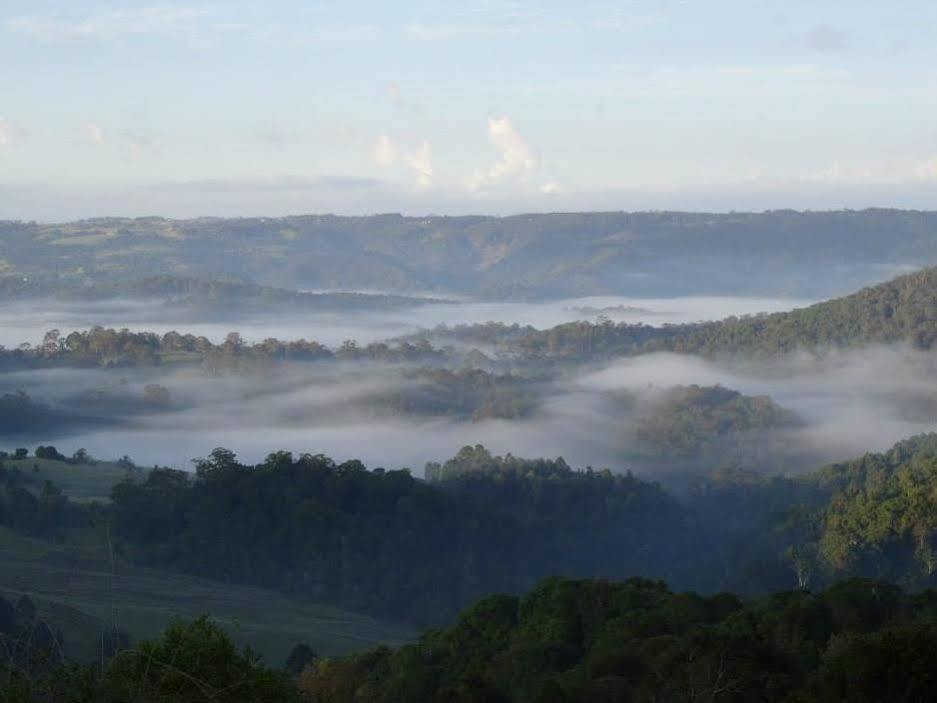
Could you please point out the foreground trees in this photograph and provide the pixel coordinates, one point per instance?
(566, 641)
(190, 663)
(570, 641)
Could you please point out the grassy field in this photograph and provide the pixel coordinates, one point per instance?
(77, 587)
(81, 483)
(71, 581)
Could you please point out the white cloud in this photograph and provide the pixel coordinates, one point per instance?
(385, 151)
(95, 134)
(517, 157)
(421, 161)
(927, 171)
(833, 172)
(5, 130)
(552, 188)
(894, 173)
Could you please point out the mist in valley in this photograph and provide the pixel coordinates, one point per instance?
(27, 321)
(845, 404)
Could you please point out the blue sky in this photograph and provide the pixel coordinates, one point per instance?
(241, 108)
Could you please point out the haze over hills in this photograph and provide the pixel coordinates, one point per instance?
(539, 255)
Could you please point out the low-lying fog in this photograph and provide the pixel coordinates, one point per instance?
(851, 402)
(28, 321)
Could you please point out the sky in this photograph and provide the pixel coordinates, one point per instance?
(243, 108)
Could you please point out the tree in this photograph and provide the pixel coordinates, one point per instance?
(193, 663)
(82, 458)
(300, 657)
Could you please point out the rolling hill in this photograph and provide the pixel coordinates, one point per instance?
(543, 255)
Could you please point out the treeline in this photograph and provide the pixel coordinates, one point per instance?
(385, 542)
(637, 641)
(107, 347)
(903, 310)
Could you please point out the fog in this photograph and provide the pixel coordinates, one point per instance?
(27, 321)
(850, 402)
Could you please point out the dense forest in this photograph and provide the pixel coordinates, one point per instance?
(571, 641)
(534, 255)
(706, 426)
(385, 542)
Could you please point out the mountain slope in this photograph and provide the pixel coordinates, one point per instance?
(561, 254)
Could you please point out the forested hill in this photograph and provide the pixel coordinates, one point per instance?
(652, 253)
(901, 310)
(383, 541)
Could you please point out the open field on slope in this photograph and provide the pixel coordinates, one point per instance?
(77, 576)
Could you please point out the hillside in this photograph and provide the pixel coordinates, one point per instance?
(386, 543)
(873, 516)
(881, 518)
(186, 294)
(78, 587)
(903, 310)
(547, 255)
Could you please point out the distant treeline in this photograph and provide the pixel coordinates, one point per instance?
(901, 310)
(108, 347)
